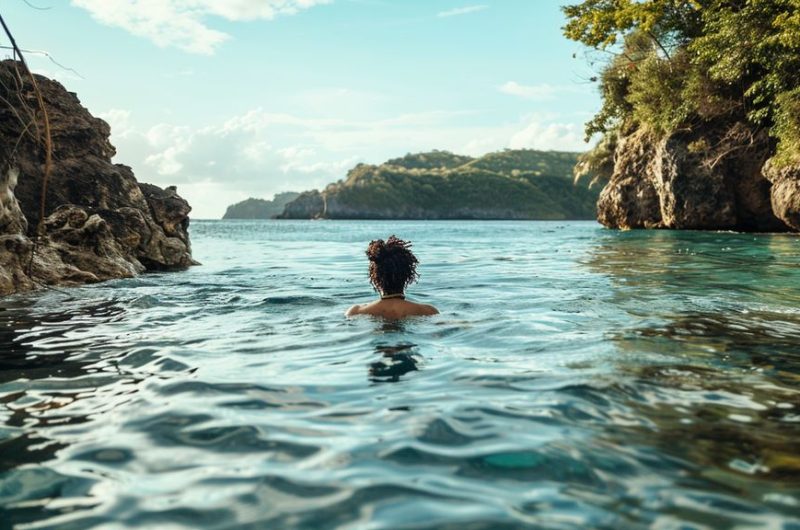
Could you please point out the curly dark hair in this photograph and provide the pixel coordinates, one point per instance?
(392, 265)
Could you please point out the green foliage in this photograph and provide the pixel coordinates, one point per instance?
(754, 45)
(527, 160)
(656, 93)
(787, 127)
(598, 164)
(600, 23)
(509, 184)
(432, 160)
(684, 61)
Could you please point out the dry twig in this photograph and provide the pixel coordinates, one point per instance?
(46, 137)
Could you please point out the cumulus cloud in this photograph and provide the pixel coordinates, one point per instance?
(545, 136)
(256, 154)
(119, 120)
(461, 11)
(182, 23)
(539, 92)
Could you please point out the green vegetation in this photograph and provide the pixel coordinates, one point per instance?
(432, 160)
(518, 184)
(557, 163)
(677, 64)
(260, 208)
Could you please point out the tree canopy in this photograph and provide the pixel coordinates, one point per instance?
(674, 64)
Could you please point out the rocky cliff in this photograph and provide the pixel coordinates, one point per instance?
(512, 184)
(714, 176)
(100, 223)
(260, 208)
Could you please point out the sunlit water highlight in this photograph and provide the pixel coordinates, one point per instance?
(576, 378)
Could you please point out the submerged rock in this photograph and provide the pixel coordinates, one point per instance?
(712, 177)
(100, 223)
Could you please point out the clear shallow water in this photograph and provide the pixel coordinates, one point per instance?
(577, 378)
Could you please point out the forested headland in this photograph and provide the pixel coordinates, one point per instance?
(511, 184)
(700, 122)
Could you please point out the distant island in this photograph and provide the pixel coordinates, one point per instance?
(510, 184)
(260, 208)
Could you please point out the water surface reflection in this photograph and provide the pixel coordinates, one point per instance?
(577, 378)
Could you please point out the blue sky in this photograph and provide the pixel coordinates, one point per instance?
(229, 99)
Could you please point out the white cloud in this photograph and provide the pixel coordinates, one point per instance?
(255, 154)
(338, 168)
(539, 92)
(461, 11)
(119, 120)
(543, 135)
(182, 23)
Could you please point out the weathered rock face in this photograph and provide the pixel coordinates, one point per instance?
(308, 205)
(629, 201)
(259, 208)
(100, 223)
(785, 193)
(710, 178)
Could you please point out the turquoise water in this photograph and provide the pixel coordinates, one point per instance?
(576, 378)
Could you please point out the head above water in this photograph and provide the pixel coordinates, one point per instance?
(392, 265)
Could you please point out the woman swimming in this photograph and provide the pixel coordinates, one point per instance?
(392, 268)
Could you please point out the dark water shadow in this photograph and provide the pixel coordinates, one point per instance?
(395, 359)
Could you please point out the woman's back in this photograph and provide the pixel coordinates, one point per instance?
(393, 309)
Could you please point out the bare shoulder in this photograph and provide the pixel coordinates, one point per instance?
(432, 310)
(427, 309)
(354, 310)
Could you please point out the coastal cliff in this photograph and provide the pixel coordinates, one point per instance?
(711, 178)
(100, 223)
(513, 184)
(260, 208)
(700, 123)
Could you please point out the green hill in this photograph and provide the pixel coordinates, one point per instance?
(259, 208)
(555, 163)
(511, 184)
(431, 160)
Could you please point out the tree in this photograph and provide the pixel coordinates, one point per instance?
(677, 63)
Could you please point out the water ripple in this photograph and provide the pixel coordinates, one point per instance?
(577, 378)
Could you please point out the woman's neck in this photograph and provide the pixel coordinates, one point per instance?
(400, 296)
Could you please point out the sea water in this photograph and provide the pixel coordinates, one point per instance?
(576, 378)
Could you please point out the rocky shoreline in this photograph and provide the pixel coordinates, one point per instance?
(717, 176)
(100, 223)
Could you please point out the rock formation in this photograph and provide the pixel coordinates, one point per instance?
(716, 176)
(308, 205)
(100, 223)
(785, 193)
(259, 208)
